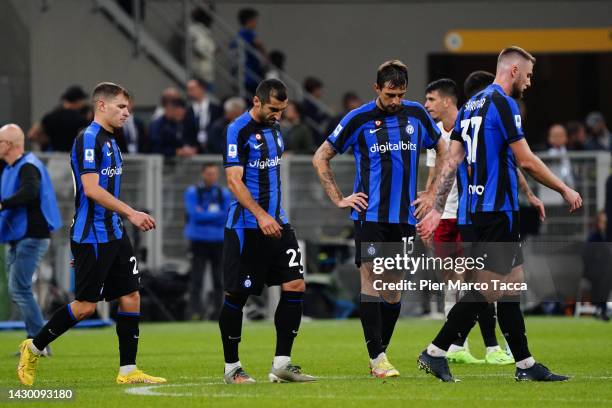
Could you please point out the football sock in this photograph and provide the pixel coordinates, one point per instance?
(512, 324)
(486, 321)
(461, 319)
(61, 320)
(127, 332)
(230, 325)
(526, 363)
(287, 320)
(231, 366)
(281, 361)
(389, 313)
(370, 316)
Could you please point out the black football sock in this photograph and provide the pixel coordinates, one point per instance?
(389, 313)
(230, 324)
(369, 313)
(287, 320)
(512, 324)
(460, 320)
(62, 320)
(127, 332)
(487, 321)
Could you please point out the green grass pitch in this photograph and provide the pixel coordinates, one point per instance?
(189, 355)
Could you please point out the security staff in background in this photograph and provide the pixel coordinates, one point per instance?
(28, 213)
(206, 205)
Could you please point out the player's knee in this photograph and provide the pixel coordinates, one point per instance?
(235, 300)
(391, 296)
(297, 285)
(130, 302)
(82, 310)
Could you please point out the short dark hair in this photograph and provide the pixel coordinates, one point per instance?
(108, 90)
(445, 86)
(271, 88)
(207, 165)
(201, 83)
(574, 127)
(201, 16)
(247, 14)
(74, 94)
(349, 96)
(476, 82)
(277, 58)
(311, 84)
(393, 72)
(517, 51)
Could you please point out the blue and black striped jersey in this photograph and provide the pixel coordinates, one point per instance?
(386, 147)
(258, 149)
(95, 151)
(462, 192)
(486, 125)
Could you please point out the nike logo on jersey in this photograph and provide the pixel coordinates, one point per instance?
(257, 146)
(374, 130)
(109, 153)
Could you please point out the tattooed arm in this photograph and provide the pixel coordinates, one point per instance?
(445, 182)
(424, 203)
(320, 161)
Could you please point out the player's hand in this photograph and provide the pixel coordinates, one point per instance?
(142, 221)
(424, 203)
(357, 201)
(428, 225)
(537, 204)
(573, 199)
(269, 226)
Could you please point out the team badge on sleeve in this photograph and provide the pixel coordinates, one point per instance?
(337, 130)
(232, 151)
(517, 121)
(89, 155)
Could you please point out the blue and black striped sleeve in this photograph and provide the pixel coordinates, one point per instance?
(345, 134)
(432, 132)
(509, 117)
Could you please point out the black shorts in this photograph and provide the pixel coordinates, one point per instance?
(105, 271)
(367, 233)
(497, 235)
(466, 232)
(252, 260)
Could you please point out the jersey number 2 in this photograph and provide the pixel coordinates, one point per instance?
(135, 270)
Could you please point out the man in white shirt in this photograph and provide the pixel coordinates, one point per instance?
(203, 110)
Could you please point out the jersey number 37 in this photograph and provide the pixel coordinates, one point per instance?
(471, 140)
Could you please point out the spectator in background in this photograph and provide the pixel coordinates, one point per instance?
(28, 213)
(298, 137)
(576, 133)
(599, 135)
(350, 101)
(248, 19)
(317, 119)
(277, 65)
(171, 135)
(134, 133)
(597, 259)
(202, 44)
(203, 112)
(233, 107)
(206, 205)
(557, 142)
(59, 128)
(167, 95)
